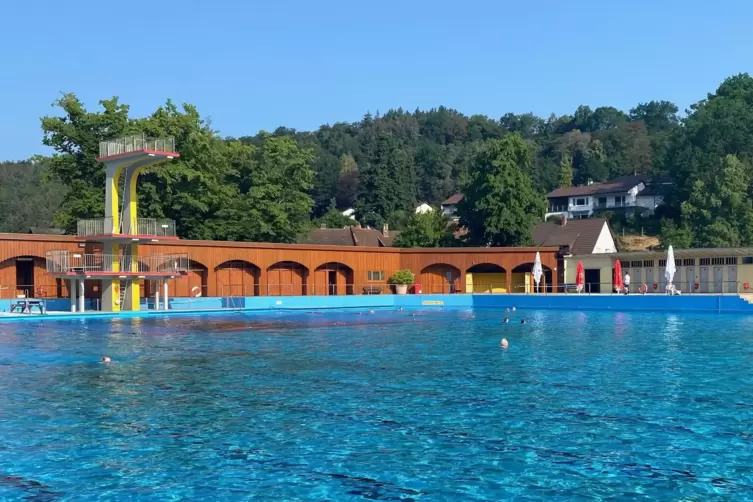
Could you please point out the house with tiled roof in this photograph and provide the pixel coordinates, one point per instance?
(449, 206)
(590, 241)
(628, 193)
(352, 236)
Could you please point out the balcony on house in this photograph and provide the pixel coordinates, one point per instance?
(615, 202)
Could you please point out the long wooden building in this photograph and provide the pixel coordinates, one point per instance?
(215, 268)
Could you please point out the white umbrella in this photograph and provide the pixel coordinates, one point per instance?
(537, 270)
(669, 271)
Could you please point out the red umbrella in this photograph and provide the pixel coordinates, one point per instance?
(618, 276)
(580, 276)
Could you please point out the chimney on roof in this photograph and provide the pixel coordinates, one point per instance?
(386, 230)
(564, 220)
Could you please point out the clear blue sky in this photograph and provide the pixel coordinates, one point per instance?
(251, 65)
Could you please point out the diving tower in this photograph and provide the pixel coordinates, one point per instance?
(119, 266)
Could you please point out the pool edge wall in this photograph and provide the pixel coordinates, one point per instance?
(722, 304)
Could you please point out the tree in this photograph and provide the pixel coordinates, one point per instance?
(75, 138)
(501, 206)
(566, 171)
(347, 185)
(333, 218)
(426, 230)
(27, 199)
(678, 236)
(719, 212)
(276, 205)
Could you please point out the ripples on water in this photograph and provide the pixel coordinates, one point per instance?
(383, 406)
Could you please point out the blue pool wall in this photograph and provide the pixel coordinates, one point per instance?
(695, 303)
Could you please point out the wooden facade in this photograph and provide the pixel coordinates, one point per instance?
(262, 269)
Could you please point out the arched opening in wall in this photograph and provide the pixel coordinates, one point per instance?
(523, 282)
(26, 276)
(192, 284)
(332, 278)
(237, 278)
(440, 278)
(287, 278)
(486, 278)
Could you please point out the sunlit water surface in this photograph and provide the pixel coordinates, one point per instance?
(385, 406)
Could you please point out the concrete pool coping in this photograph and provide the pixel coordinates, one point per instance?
(697, 303)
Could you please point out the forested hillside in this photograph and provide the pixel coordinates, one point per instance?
(26, 198)
(270, 186)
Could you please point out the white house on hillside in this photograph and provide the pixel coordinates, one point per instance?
(450, 205)
(424, 208)
(350, 213)
(629, 193)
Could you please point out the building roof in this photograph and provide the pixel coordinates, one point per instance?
(46, 231)
(351, 236)
(580, 235)
(453, 199)
(619, 185)
(660, 254)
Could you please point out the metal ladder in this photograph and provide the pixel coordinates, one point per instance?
(125, 284)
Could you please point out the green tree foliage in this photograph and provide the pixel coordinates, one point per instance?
(501, 206)
(273, 204)
(384, 164)
(216, 189)
(708, 159)
(27, 199)
(719, 211)
(333, 218)
(426, 230)
(566, 170)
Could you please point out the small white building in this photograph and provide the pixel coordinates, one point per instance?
(449, 206)
(350, 213)
(424, 208)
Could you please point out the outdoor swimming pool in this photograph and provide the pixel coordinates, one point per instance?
(349, 406)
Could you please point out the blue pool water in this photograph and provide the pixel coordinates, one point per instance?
(389, 406)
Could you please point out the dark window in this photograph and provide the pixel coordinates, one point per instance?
(636, 264)
(688, 262)
(375, 275)
(730, 260)
(648, 263)
(747, 260)
(705, 261)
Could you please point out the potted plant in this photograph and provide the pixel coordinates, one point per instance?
(402, 279)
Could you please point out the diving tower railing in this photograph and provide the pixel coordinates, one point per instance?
(142, 226)
(136, 143)
(71, 262)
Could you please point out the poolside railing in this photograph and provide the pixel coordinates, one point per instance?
(72, 262)
(136, 143)
(156, 227)
(193, 288)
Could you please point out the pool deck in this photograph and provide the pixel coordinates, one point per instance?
(702, 303)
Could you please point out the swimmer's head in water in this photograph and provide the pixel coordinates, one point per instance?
(507, 320)
(504, 343)
(513, 309)
(522, 321)
(106, 359)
